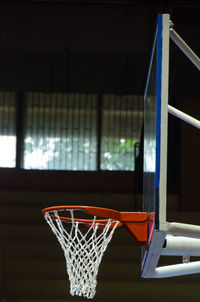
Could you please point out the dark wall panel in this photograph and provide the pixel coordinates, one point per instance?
(190, 159)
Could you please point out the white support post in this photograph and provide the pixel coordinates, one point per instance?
(177, 270)
(185, 230)
(183, 116)
(181, 246)
(185, 48)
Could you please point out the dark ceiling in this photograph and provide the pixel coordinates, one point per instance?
(92, 46)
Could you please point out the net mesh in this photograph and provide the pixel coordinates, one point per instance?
(83, 249)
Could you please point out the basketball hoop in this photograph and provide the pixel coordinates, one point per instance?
(84, 247)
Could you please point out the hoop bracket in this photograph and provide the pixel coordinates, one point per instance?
(136, 223)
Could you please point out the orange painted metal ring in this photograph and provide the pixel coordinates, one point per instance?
(95, 211)
(136, 223)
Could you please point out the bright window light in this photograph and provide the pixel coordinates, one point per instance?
(7, 129)
(7, 151)
(60, 132)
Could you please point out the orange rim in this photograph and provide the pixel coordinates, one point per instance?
(136, 223)
(95, 211)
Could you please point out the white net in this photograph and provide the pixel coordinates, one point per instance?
(83, 249)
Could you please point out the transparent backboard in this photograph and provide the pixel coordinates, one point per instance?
(155, 146)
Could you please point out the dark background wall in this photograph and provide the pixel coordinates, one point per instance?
(88, 46)
(101, 47)
(74, 48)
(52, 46)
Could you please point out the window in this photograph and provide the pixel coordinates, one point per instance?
(60, 131)
(121, 129)
(7, 129)
(73, 132)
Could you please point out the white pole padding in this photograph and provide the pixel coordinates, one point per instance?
(177, 270)
(183, 116)
(185, 48)
(181, 246)
(183, 229)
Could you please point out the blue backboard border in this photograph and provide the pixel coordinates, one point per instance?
(153, 251)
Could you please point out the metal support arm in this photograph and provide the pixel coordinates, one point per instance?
(181, 246)
(183, 116)
(177, 270)
(185, 48)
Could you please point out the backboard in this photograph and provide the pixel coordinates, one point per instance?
(155, 146)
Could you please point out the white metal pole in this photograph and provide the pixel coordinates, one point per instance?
(185, 48)
(177, 270)
(181, 246)
(185, 230)
(183, 116)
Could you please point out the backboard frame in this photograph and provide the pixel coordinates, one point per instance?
(159, 227)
